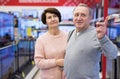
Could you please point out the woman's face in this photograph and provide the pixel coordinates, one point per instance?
(52, 20)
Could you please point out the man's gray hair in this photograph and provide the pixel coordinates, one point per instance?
(85, 5)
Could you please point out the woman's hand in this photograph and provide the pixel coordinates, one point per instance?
(59, 62)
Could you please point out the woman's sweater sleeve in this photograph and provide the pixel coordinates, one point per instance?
(40, 58)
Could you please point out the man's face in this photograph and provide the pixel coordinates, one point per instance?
(81, 18)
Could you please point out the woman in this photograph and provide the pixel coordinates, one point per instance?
(50, 47)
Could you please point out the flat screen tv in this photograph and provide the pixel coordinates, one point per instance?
(29, 13)
(112, 33)
(66, 26)
(6, 28)
(30, 27)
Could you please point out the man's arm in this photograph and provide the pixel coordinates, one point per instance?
(109, 49)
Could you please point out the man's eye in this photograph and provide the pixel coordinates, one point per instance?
(76, 15)
(83, 15)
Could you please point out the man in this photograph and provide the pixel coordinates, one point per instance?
(85, 46)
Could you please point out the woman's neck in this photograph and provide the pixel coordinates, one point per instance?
(54, 31)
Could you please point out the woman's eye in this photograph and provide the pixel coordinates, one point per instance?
(55, 16)
(49, 17)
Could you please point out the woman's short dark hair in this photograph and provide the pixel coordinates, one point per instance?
(50, 10)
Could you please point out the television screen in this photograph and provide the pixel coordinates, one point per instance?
(66, 26)
(6, 28)
(15, 13)
(30, 27)
(30, 13)
(113, 29)
(112, 33)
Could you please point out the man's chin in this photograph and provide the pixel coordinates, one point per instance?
(78, 26)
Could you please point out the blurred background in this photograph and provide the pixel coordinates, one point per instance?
(20, 25)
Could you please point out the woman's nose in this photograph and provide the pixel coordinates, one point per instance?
(53, 18)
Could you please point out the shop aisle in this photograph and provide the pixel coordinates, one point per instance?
(37, 75)
(33, 74)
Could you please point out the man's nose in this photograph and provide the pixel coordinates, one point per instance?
(79, 17)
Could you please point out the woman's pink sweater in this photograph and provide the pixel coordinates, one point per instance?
(48, 48)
